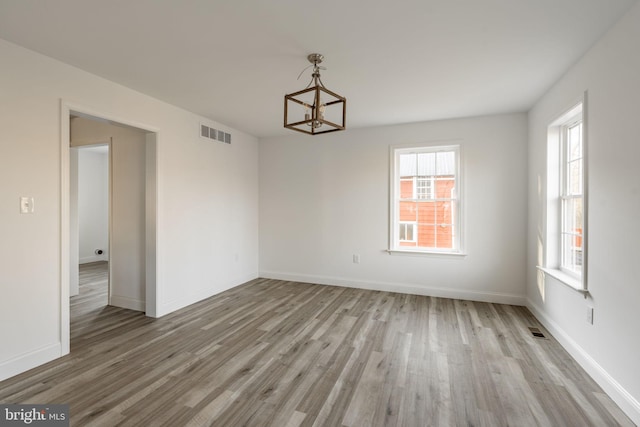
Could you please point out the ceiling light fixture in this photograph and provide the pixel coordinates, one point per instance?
(315, 109)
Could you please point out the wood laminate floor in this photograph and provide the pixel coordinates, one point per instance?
(276, 353)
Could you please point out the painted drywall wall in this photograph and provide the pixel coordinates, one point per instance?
(609, 348)
(325, 198)
(74, 227)
(93, 205)
(151, 230)
(127, 256)
(207, 200)
(127, 269)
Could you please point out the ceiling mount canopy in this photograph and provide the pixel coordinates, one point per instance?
(315, 109)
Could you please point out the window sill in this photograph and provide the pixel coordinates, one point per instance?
(564, 278)
(426, 253)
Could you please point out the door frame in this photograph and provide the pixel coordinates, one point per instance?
(151, 293)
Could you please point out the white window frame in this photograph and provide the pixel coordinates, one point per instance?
(457, 205)
(430, 193)
(413, 231)
(557, 196)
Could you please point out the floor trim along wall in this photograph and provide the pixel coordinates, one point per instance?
(30, 360)
(203, 294)
(613, 388)
(499, 298)
(129, 303)
(94, 258)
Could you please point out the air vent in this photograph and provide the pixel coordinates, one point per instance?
(536, 333)
(215, 134)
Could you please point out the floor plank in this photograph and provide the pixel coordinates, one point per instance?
(277, 353)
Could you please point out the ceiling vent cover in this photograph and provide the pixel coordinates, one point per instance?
(215, 134)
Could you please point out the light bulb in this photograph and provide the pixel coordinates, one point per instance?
(321, 110)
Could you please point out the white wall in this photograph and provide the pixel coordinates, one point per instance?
(207, 200)
(93, 205)
(609, 348)
(127, 280)
(325, 198)
(74, 227)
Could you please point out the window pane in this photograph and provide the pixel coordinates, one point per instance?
(408, 211)
(445, 163)
(572, 255)
(445, 186)
(444, 213)
(424, 188)
(574, 178)
(426, 164)
(407, 164)
(575, 142)
(573, 217)
(445, 236)
(426, 212)
(427, 236)
(577, 212)
(409, 232)
(406, 188)
(572, 234)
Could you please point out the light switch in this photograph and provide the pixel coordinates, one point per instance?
(26, 205)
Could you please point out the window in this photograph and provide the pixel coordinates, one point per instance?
(571, 194)
(407, 232)
(424, 187)
(566, 213)
(425, 200)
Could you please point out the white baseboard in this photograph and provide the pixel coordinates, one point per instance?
(29, 360)
(620, 396)
(128, 303)
(462, 294)
(93, 258)
(177, 304)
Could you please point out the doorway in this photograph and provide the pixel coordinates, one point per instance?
(89, 226)
(131, 246)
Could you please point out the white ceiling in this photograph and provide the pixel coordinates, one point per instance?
(395, 61)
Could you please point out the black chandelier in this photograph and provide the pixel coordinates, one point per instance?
(315, 109)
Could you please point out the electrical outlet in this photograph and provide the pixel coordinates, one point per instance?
(26, 205)
(356, 258)
(590, 315)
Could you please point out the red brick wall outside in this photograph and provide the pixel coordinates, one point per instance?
(433, 218)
